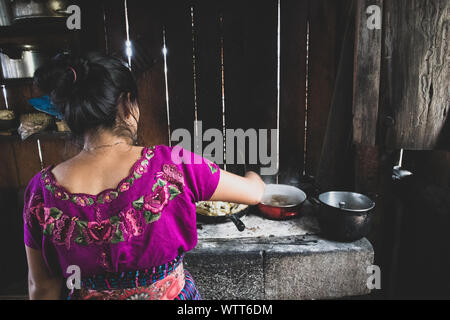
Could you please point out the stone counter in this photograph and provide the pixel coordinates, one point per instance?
(277, 260)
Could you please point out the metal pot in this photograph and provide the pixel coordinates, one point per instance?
(25, 9)
(344, 216)
(21, 61)
(281, 201)
(5, 13)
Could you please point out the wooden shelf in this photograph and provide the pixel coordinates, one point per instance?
(17, 82)
(35, 27)
(45, 135)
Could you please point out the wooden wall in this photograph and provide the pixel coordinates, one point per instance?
(248, 32)
(402, 98)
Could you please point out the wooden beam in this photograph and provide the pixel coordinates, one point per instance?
(416, 95)
(293, 30)
(323, 33)
(335, 169)
(367, 71)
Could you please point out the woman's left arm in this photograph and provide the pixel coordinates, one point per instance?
(41, 286)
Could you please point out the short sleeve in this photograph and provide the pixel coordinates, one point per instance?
(33, 213)
(201, 175)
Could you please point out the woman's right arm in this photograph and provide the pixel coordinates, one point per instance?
(41, 286)
(233, 188)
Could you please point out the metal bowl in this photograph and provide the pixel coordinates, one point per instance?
(344, 216)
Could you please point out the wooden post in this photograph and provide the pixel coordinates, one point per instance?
(415, 72)
(367, 71)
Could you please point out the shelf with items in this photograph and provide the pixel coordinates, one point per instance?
(44, 135)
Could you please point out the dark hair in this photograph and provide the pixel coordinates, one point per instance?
(87, 90)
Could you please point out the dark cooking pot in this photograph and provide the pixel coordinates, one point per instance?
(281, 201)
(344, 216)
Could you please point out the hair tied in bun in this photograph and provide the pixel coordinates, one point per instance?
(74, 74)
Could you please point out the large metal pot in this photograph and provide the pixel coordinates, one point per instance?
(21, 61)
(25, 9)
(344, 216)
(5, 13)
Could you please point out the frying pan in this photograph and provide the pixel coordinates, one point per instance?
(235, 218)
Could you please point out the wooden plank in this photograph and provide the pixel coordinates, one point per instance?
(177, 22)
(293, 36)
(27, 160)
(366, 81)
(335, 169)
(416, 72)
(250, 53)
(322, 73)
(92, 26)
(236, 75)
(9, 175)
(148, 63)
(208, 64)
(261, 59)
(115, 27)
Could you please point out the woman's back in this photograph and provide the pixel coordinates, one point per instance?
(93, 172)
(147, 219)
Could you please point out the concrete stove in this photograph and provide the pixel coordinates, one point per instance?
(277, 260)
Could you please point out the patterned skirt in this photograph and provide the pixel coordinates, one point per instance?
(166, 282)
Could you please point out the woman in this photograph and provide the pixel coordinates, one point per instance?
(123, 214)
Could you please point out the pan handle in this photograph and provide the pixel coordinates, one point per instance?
(237, 222)
(314, 201)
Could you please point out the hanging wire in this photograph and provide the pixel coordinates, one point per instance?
(105, 31)
(40, 153)
(278, 87)
(164, 51)
(5, 96)
(194, 73)
(222, 74)
(128, 48)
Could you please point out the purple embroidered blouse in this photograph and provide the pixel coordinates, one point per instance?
(146, 221)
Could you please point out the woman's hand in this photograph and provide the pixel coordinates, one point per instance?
(233, 188)
(41, 286)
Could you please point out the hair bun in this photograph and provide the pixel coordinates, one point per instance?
(58, 76)
(86, 90)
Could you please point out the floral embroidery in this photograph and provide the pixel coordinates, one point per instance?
(212, 167)
(124, 186)
(108, 197)
(82, 200)
(128, 223)
(61, 195)
(64, 228)
(46, 217)
(99, 232)
(132, 222)
(172, 175)
(141, 167)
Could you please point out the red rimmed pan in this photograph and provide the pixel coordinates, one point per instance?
(281, 201)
